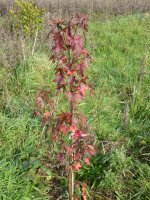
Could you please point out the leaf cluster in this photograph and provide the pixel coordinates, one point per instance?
(68, 129)
(27, 17)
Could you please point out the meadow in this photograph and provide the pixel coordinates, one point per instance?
(118, 113)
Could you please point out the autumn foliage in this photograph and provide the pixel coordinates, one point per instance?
(68, 129)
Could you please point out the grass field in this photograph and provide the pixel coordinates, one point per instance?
(119, 114)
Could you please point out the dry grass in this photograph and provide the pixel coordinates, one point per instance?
(109, 6)
(65, 6)
(10, 47)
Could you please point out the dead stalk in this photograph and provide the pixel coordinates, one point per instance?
(23, 48)
(126, 114)
(33, 48)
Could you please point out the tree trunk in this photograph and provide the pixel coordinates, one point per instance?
(71, 184)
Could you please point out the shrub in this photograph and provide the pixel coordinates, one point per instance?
(27, 17)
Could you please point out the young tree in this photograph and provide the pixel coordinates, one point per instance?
(69, 129)
(28, 18)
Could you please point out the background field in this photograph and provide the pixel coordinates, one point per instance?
(119, 113)
(89, 6)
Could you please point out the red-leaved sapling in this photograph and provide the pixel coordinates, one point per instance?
(68, 129)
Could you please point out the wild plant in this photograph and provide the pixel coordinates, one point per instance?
(68, 129)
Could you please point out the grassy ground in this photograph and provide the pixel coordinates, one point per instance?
(119, 114)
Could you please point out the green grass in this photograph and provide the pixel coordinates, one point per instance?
(121, 168)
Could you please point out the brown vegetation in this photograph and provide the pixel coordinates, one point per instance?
(65, 6)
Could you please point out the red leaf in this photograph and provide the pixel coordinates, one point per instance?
(68, 149)
(60, 156)
(59, 79)
(56, 21)
(45, 117)
(82, 89)
(71, 81)
(47, 114)
(52, 58)
(79, 97)
(83, 120)
(51, 103)
(65, 117)
(71, 72)
(84, 51)
(87, 161)
(34, 114)
(77, 166)
(44, 121)
(83, 66)
(76, 134)
(53, 138)
(91, 149)
(77, 156)
(73, 128)
(40, 102)
(64, 129)
(58, 43)
(68, 167)
(71, 96)
(78, 45)
(42, 98)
